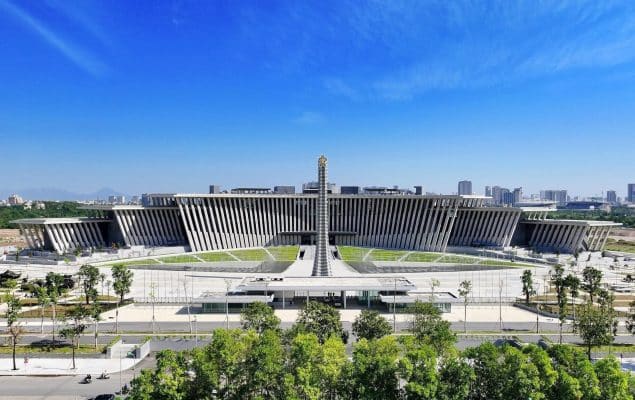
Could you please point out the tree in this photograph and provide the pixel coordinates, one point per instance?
(528, 285)
(465, 288)
(591, 281)
(122, 281)
(630, 321)
(429, 328)
(168, 381)
(321, 319)
(576, 364)
(613, 381)
(573, 283)
(455, 379)
(76, 327)
(14, 306)
(595, 326)
(566, 387)
(54, 284)
(520, 378)
(374, 371)
(334, 360)
(219, 368)
(259, 317)
(559, 281)
(369, 324)
(264, 365)
(89, 276)
(487, 371)
(305, 357)
(419, 370)
(95, 316)
(540, 359)
(43, 300)
(102, 279)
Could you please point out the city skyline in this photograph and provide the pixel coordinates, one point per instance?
(511, 95)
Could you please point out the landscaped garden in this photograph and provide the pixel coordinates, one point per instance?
(275, 253)
(357, 254)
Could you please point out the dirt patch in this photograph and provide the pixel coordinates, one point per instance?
(11, 237)
(626, 234)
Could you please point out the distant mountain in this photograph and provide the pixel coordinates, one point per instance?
(60, 194)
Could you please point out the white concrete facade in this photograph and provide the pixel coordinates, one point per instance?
(205, 222)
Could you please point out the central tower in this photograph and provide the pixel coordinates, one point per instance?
(321, 265)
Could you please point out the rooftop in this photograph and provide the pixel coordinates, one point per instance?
(327, 283)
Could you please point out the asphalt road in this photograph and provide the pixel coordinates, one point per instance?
(65, 387)
(138, 330)
(167, 327)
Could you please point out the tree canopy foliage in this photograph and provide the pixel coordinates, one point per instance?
(53, 209)
(245, 364)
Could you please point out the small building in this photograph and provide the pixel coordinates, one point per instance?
(283, 292)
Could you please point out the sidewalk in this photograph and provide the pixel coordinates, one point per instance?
(143, 313)
(62, 366)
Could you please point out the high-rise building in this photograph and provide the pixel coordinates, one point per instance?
(507, 197)
(497, 194)
(15, 200)
(630, 193)
(214, 189)
(488, 191)
(419, 190)
(116, 199)
(465, 188)
(518, 195)
(321, 265)
(611, 197)
(558, 195)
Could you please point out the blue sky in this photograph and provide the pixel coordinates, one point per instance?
(174, 96)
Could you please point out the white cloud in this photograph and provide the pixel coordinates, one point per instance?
(80, 58)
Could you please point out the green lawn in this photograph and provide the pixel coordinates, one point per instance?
(149, 261)
(183, 258)
(251, 254)
(386, 255)
(423, 257)
(216, 256)
(349, 253)
(284, 253)
(458, 259)
(620, 245)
